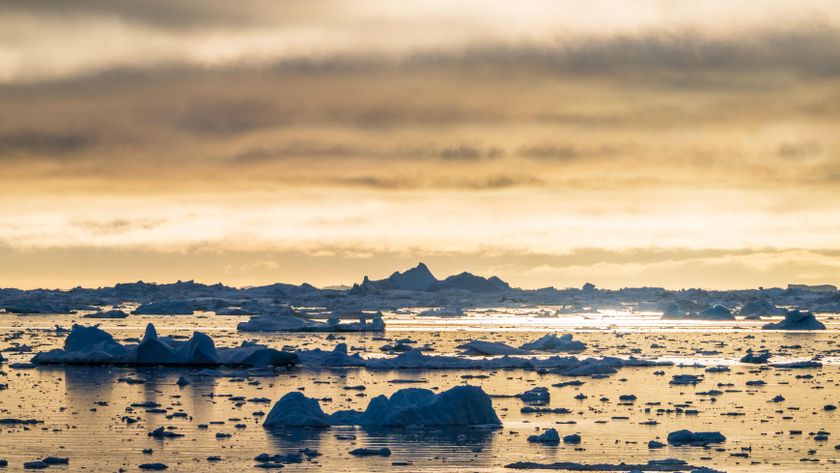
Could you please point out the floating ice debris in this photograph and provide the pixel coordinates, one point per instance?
(686, 379)
(164, 308)
(798, 365)
(571, 438)
(537, 396)
(669, 464)
(459, 406)
(796, 320)
(35, 465)
(544, 410)
(90, 345)
(153, 466)
(694, 439)
(370, 452)
(550, 437)
(292, 323)
(449, 311)
(8, 421)
(108, 314)
(553, 343)
(484, 348)
(754, 358)
(162, 433)
(284, 458)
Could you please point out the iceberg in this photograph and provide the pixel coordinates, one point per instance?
(757, 359)
(293, 323)
(549, 437)
(450, 311)
(552, 342)
(484, 348)
(108, 314)
(694, 439)
(458, 406)
(536, 396)
(296, 410)
(164, 308)
(796, 320)
(717, 312)
(91, 345)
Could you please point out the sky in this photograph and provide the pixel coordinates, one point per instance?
(626, 143)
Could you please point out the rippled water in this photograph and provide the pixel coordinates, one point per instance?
(82, 407)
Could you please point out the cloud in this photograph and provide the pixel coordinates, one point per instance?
(43, 142)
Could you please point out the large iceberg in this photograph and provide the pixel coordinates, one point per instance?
(760, 307)
(796, 320)
(459, 406)
(91, 345)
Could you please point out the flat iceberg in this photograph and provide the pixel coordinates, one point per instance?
(107, 314)
(293, 323)
(694, 439)
(485, 348)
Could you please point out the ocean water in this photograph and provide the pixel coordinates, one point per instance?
(83, 407)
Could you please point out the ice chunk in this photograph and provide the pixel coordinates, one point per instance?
(694, 439)
(537, 395)
(552, 342)
(296, 410)
(485, 348)
(549, 437)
